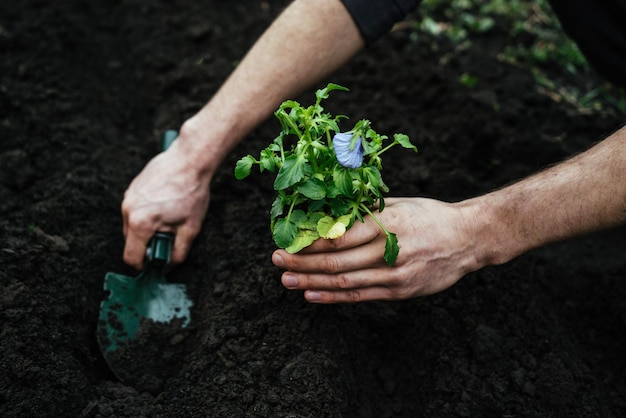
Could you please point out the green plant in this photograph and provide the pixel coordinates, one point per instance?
(325, 179)
(534, 40)
(468, 80)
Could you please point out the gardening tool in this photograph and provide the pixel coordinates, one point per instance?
(140, 308)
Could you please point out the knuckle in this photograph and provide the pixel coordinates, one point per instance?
(397, 286)
(396, 281)
(127, 207)
(329, 264)
(290, 261)
(402, 291)
(399, 293)
(303, 281)
(342, 281)
(138, 222)
(354, 296)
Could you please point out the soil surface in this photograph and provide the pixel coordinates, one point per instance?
(86, 90)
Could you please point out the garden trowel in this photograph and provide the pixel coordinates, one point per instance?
(140, 309)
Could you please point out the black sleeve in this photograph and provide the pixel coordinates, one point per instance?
(599, 30)
(374, 18)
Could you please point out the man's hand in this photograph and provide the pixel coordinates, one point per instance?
(168, 195)
(436, 250)
(172, 192)
(441, 242)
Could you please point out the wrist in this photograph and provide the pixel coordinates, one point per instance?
(486, 224)
(201, 146)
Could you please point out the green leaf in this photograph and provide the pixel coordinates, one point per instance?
(343, 180)
(304, 238)
(324, 225)
(274, 148)
(314, 218)
(316, 205)
(284, 233)
(370, 147)
(381, 204)
(347, 220)
(297, 217)
(289, 104)
(323, 93)
(290, 172)
(287, 120)
(339, 207)
(373, 177)
(391, 248)
(313, 188)
(325, 123)
(278, 206)
(268, 160)
(332, 191)
(404, 140)
(308, 222)
(243, 167)
(331, 228)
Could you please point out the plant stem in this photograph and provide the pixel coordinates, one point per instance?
(370, 213)
(312, 160)
(293, 203)
(387, 147)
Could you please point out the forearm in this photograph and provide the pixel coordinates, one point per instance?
(583, 194)
(307, 42)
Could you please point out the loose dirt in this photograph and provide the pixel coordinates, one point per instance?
(86, 90)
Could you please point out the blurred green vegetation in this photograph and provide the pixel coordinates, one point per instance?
(535, 41)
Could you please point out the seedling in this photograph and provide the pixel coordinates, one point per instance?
(326, 179)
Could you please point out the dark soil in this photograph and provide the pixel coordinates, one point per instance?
(86, 90)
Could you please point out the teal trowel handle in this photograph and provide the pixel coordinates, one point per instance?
(159, 251)
(168, 137)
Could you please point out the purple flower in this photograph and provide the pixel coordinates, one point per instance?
(349, 158)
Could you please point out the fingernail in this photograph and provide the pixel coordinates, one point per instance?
(278, 260)
(289, 280)
(313, 296)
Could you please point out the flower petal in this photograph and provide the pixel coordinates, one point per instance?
(347, 157)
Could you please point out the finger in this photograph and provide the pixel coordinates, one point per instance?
(135, 248)
(182, 244)
(139, 230)
(383, 276)
(358, 258)
(350, 296)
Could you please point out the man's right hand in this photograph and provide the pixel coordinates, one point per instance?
(168, 195)
(172, 192)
